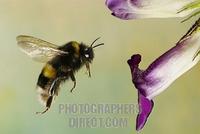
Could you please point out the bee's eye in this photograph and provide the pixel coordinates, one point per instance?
(87, 55)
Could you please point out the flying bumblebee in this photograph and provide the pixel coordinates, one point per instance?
(61, 64)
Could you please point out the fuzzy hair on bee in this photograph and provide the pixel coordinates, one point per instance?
(61, 64)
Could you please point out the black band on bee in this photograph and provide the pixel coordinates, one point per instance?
(43, 81)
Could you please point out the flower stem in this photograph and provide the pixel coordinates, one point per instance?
(191, 5)
(194, 28)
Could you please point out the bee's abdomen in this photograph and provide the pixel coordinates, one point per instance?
(46, 77)
(48, 74)
(42, 81)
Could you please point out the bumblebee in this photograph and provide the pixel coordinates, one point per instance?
(62, 62)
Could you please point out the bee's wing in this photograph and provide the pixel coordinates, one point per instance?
(38, 49)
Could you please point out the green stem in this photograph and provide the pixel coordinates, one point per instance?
(194, 14)
(192, 5)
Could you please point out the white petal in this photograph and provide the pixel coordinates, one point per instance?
(172, 64)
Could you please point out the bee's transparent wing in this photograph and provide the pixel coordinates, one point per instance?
(38, 49)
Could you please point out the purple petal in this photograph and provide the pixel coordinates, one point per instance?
(135, 9)
(136, 72)
(162, 72)
(134, 63)
(120, 8)
(145, 105)
(145, 108)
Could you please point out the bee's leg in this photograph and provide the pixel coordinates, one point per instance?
(52, 87)
(48, 105)
(88, 69)
(73, 79)
(43, 111)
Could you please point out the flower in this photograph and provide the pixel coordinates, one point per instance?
(137, 9)
(163, 71)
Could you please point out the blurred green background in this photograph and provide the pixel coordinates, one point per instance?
(177, 110)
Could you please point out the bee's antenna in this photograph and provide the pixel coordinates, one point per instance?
(94, 41)
(98, 45)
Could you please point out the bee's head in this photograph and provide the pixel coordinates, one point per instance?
(87, 52)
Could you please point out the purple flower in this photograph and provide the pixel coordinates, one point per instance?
(137, 9)
(163, 71)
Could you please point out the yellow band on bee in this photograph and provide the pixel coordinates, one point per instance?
(49, 71)
(76, 46)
